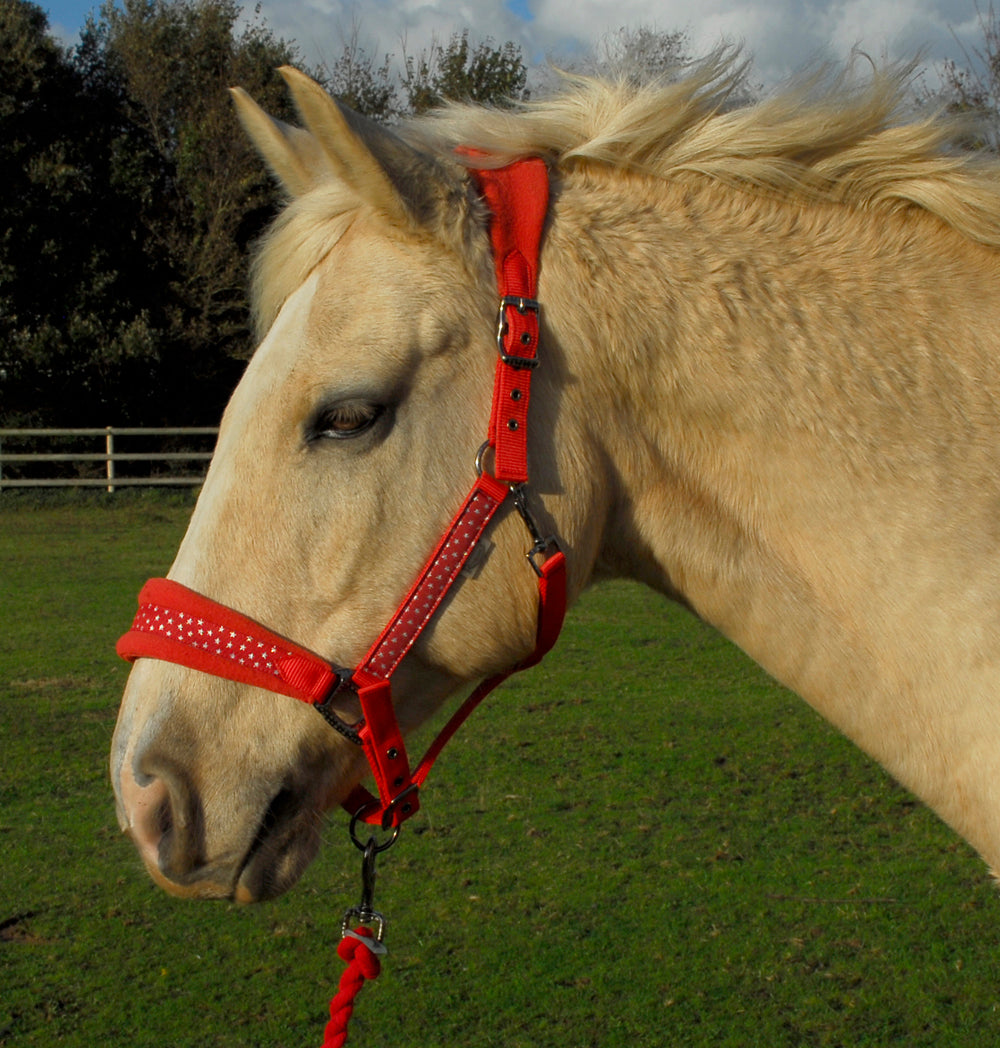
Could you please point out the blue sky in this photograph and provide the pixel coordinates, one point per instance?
(68, 14)
(783, 35)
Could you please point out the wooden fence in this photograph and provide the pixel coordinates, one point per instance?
(91, 457)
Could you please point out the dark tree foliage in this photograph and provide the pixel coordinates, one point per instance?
(456, 71)
(124, 246)
(131, 198)
(461, 72)
(68, 334)
(203, 194)
(363, 82)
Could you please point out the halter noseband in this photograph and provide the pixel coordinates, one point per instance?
(179, 625)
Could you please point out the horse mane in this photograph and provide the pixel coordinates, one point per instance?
(826, 137)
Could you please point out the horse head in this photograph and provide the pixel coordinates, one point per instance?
(342, 455)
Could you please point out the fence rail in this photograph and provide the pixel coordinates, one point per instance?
(110, 477)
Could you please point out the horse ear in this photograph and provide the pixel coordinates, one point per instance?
(292, 154)
(337, 144)
(386, 172)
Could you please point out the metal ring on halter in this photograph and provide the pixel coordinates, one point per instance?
(480, 455)
(363, 845)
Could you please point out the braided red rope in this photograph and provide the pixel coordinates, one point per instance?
(362, 964)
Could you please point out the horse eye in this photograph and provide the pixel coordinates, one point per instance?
(343, 421)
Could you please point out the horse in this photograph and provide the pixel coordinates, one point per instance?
(768, 388)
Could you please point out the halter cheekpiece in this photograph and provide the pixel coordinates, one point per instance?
(179, 625)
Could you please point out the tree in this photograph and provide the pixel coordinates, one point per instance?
(204, 193)
(642, 55)
(64, 327)
(458, 71)
(130, 200)
(360, 81)
(973, 90)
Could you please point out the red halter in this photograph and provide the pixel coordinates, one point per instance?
(178, 625)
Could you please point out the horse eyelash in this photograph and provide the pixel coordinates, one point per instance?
(345, 421)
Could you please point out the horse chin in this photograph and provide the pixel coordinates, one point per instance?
(273, 865)
(260, 881)
(279, 855)
(208, 888)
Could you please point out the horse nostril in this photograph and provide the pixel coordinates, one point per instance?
(165, 818)
(149, 813)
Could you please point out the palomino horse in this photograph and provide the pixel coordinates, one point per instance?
(769, 388)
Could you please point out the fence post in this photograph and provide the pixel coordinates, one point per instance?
(109, 448)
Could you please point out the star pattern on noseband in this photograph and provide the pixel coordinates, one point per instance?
(211, 637)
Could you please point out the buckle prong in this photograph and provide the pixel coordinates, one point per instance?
(524, 306)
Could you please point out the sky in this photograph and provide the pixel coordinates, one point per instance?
(783, 36)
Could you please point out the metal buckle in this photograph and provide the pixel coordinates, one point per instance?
(325, 708)
(524, 306)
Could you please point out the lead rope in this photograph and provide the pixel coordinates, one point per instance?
(361, 947)
(361, 952)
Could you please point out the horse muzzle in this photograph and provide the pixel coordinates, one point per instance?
(234, 812)
(166, 824)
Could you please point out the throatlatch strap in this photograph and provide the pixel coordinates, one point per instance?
(551, 613)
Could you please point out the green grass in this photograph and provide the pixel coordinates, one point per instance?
(644, 841)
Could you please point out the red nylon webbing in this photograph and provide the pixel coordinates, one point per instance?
(177, 624)
(380, 734)
(433, 583)
(551, 612)
(518, 197)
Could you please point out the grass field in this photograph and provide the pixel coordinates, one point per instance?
(642, 842)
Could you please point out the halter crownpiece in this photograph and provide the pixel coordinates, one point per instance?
(178, 625)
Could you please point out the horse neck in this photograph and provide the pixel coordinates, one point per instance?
(783, 470)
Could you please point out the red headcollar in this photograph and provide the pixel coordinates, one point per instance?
(178, 625)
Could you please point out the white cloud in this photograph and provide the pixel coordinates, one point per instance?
(782, 35)
(322, 27)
